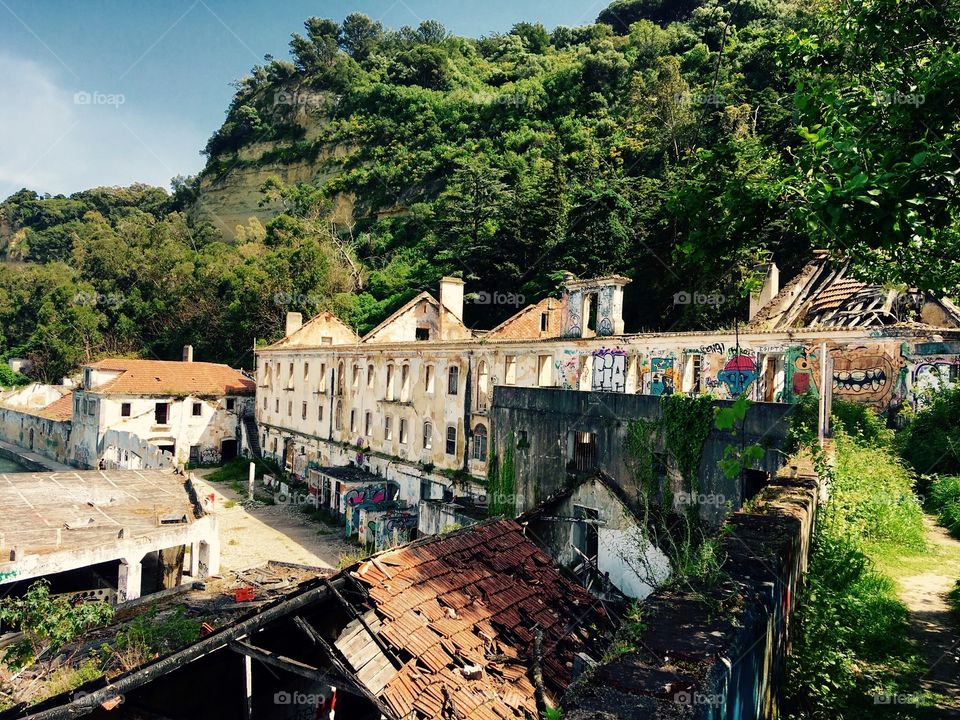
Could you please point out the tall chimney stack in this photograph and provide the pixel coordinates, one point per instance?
(770, 289)
(451, 295)
(294, 323)
(188, 353)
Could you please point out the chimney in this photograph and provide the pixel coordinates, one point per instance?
(188, 353)
(451, 295)
(770, 289)
(294, 323)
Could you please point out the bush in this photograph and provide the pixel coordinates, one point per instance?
(860, 421)
(151, 635)
(9, 378)
(931, 441)
(953, 597)
(944, 499)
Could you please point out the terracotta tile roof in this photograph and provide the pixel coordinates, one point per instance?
(525, 325)
(475, 597)
(60, 409)
(167, 377)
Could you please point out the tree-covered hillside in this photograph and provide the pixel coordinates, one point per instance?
(677, 143)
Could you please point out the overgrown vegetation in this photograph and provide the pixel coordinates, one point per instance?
(48, 622)
(850, 648)
(151, 635)
(930, 441)
(943, 498)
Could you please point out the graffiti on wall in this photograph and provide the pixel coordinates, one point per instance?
(866, 373)
(605, 312)
(738, 374)
(568, 370)
(659, 376)
(609, 370)
(375, 493)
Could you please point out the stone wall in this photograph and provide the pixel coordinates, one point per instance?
(719, 652)
(50, 438)
(539, 423)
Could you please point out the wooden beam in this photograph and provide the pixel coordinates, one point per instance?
(278, 661)
(352, 611)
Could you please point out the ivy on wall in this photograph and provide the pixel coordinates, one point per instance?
(502, 482)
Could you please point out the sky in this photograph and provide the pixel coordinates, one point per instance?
(110, 92)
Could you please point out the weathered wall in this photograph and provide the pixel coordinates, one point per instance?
(548, 417)
(50, 438)
(709, 654)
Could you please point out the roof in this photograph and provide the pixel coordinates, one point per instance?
(446, 315)
(89, 508)
(825, 295)
(475, 597)
(167, 377)
(311, 333)
(526, 323)
(61, 409)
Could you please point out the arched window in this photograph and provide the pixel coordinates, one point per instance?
(427, 435)
(451, 448)
(340, 379)
(480, 443)
(453, 380)
(338, 418)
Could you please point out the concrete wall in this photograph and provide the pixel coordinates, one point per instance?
(547, 418)
(697, 662)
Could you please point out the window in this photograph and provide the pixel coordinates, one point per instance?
(353, 421)
(544, 322)
(370, 376)
(87, 372)
(264, 402)
(544, 371)
(427, 436)
(290, 376)
(306, 371)
(582, 451)
(124, 409)
(510, 370)
(303, 410)
(403, 431)
(368, 424)
(483, 385)
(276, 405)
(160, 413)
(231, 403)
(197, 409)
(453, 380)
(76, 405)
(697, 362)
(289, 408)
(388, 428)
(428, 379)
(480, 443)
(404, 383)
(338, 419)
(356, 377)
(590, 311)
(451, 448)
(340, 379)
(522, 439)
(326, 340)
(323, 378)
(389, 394)
(422, 333)
(320, 412)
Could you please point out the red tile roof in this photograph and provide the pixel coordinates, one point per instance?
(60, 409)
(167, 377)
(475, 598)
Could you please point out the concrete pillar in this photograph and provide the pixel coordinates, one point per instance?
(195, 560)
(129, 579)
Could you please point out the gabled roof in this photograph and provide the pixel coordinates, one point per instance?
(446, 315)
(167, 377)
(825, 295)
(310, 332)
(525, 325)
(61, 409)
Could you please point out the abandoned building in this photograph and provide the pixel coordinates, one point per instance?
(413, 401)
(130, 413)
(443, 627)
(110, 535)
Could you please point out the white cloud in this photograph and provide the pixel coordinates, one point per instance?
(61, 139)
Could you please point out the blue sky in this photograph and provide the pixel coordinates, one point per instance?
(109, 92)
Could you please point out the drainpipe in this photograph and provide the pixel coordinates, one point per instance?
(467, 417)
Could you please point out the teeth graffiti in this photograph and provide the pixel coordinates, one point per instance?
(858, 381)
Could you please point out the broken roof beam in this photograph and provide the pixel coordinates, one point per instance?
(281, 662)
(352, 611)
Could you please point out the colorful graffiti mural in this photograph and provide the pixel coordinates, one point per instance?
(659, 377)
(609, 370)
(738, 374)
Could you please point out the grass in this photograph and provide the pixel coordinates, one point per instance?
(944, 500)
(953, 597)
(65, 679)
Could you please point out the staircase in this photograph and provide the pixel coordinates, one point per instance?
(253, 435)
